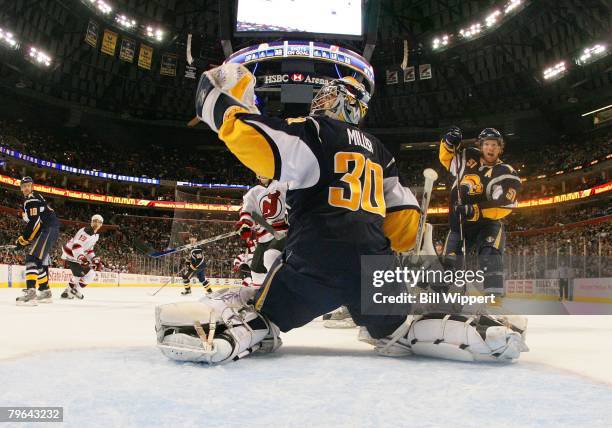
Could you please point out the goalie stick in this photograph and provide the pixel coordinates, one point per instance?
(190, 246)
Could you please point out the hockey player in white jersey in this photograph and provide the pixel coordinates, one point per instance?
(347, 200)
(268, 200)
(79, 256)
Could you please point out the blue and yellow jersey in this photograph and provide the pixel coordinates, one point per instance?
(38, 215)
(492, 190)
(343, 184)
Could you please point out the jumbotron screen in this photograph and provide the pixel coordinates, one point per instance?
(342, 17)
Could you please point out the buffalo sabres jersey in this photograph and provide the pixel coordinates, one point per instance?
(82, 244)
(37, 214)
(343, 184)
(268, 202)
(491, 190)
(195, 259)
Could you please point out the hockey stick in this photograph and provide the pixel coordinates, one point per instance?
(263, 223)
(8, 247)
(459, 178)
(160, 288)
(430, 177)
(190, 246)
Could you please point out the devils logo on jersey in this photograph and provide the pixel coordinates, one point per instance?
(271, 205)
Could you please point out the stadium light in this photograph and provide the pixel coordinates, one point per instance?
(511, 5)
(39, 57)
(472, 31)
(125, 22)
(592, 53)
(155, 33)
(555, 71)
(488, 24)
(439, 42)
(492, 19)
(103, 7)
(7, 38)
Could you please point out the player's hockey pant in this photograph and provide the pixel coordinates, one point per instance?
(257, 264)
(37, 259)
(80, 275)
(488, 241)
(308, 282)
(190, 273)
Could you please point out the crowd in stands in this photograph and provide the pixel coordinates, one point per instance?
(170, 162)
(175, 162)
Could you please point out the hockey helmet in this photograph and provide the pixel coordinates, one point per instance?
(491, 134)
(344, 99)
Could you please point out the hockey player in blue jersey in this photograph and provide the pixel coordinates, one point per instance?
(345, 200)
(195, 265)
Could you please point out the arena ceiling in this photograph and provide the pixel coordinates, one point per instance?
(497, 77)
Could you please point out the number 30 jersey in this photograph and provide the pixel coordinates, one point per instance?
(343, 184)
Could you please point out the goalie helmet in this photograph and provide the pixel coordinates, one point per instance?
(343, 99)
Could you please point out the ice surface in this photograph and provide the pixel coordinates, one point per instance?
(97, 358)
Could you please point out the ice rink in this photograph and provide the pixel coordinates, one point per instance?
(97, 358)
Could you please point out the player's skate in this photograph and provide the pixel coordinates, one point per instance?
(28, 298)
(45, 296)
(186, 291)
(76, 292)
(456, 337)
(67, 293)
(215, 329)
(340, 318)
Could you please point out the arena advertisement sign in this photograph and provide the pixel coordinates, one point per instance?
(13, 276)
(81, 171)
(119, 200)
(312, 50)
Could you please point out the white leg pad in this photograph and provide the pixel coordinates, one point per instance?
(214, 330)
(457, 337)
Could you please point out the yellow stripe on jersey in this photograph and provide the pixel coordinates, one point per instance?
(35, 230)
(247, 144)
(446, 155)
(495, 213)
(401, 228)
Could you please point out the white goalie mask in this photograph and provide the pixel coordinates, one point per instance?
(343, 99)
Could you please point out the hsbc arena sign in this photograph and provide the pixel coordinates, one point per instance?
(315, 51)
(297, 78)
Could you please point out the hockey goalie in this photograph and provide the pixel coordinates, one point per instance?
(345, 200)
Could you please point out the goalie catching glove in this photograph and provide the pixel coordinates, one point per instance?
(222, 90)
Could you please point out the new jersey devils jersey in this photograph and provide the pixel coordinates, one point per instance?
(82, 244)
(270, 203)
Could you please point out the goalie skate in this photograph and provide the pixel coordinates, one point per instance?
(340, 318)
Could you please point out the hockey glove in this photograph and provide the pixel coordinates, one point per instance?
(468, 212)
(222, 90)
(83, 261)
(22, 242)
(97, 264)
(453, 137)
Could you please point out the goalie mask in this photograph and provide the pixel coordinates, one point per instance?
(343, 99)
